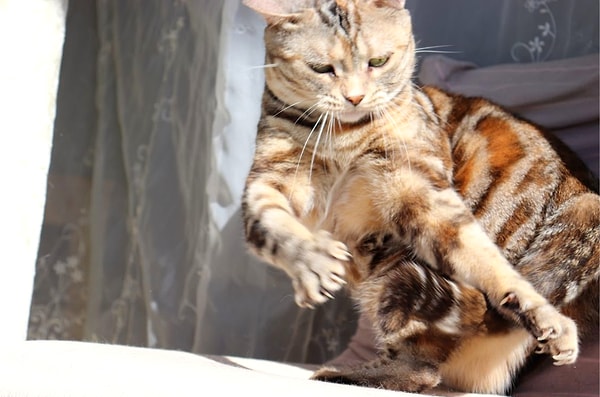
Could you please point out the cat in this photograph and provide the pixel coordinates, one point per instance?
(457, 227)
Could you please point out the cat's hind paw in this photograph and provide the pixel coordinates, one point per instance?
(556, 334)
(319, 270)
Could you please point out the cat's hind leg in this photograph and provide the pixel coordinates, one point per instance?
(420, 318)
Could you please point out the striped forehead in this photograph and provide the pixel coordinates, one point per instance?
(342, 18)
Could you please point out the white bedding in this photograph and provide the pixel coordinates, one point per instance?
(60, 368)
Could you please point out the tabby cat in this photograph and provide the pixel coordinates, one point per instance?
(457, 227)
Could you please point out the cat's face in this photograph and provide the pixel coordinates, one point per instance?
(344, 58)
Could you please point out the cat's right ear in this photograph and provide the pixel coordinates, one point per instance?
(397, 4)
(275, 10)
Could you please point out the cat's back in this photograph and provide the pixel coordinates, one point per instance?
(494, 151)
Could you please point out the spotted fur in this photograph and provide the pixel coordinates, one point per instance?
(461, 230)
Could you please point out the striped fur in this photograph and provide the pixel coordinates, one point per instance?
(460, 229)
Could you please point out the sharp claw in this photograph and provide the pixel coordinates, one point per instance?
(563, 356)
(326, 293)
(540, 350)
(510, 301)
(338, 279)
(342, 256)
(546, 334)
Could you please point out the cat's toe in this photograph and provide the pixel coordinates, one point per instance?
(336, 249)
(307, 290)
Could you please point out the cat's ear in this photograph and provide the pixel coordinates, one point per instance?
(398, 4)
(276, 10)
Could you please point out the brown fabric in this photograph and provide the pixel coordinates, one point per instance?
(542, 379)
(361, 347)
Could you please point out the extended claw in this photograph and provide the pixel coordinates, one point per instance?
(326, 293)
(565, 357)
(338, 279)
(548, 333)
(510, 301)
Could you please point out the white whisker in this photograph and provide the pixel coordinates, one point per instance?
(307, 112)
(269, 65)
(434, 49)
(314, 154)
(331, 133)
(301, 155)
(287, 107)
(431, 47)
(437, 52)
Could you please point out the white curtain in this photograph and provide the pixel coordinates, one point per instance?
(142, 241)
(31, 39)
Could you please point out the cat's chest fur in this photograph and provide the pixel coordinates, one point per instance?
(342, 202)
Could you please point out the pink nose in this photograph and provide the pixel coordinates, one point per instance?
(355, 100)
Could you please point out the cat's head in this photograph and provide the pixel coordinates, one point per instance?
(346, 57)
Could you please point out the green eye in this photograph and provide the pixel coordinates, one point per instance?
(378, 62)
(322, 69)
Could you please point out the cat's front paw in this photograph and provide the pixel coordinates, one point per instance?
(556, 334)
(319, 270)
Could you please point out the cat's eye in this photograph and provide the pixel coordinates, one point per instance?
(378, 62)
(322, 69)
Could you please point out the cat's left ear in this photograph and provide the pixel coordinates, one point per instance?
(398, 4)
(276, 10)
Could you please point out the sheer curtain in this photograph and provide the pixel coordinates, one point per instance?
(142, 242)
